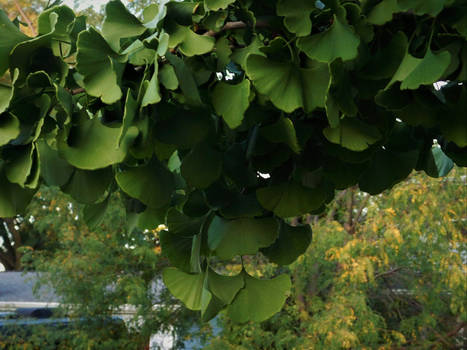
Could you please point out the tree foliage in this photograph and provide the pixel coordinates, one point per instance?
(184, 108)
(396, 281)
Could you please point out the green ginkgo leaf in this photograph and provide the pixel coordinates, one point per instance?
(19, 163)
(167, 77)
(422, 7)
(296, 15)
(231, 101)
(282, 131)
(92, 145)
(119, 23)
(202, 166)
(292, 242)
(224, 287)
(95, 60)
(54, 170)
(381, 174)
(437, 163)
(385, 62)
(188, 42)
(185, 129)
(414, 72)
(57, 21)
(152, 184)
(240, 56)
(259, 299)
(10, 37)
(339, 41)
(189, 288)
(229, 238)
(9, 127)
(215, 5)
(382, 12)
(288, 86)
(291, 199)
(151, 87)
(177, 248)
(13, 198)
(89, 187)
(353, 134)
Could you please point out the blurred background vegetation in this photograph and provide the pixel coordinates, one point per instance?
(383, 272)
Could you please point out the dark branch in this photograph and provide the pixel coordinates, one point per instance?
(236, 25)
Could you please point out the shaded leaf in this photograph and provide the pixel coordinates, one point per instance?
(231, 101)
(119, 23)
(339, 41)
(152, 184)
(292, 242)
(353, 134)
(96, 62)
(288, 86)
(296, 15)
(202, 166)
(259, 299)
(241, 236)
(291, 199)
(414, 72)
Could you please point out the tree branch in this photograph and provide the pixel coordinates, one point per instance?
(25, 17)
(236, 25)
(390, 272)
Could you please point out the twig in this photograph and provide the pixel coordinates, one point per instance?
(235, 25)
(25, 17)
(77, 91)
(385, 273)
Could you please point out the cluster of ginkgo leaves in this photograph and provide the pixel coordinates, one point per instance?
(223, 118)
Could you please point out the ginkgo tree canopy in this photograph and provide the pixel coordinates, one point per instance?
(186, 108)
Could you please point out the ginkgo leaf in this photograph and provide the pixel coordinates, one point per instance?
(437, 163)
(353, 134)
(231, 101)
(119, 23)
(151, 87)
(414, 72)
(13, 198)
(240, 56)
(89, 186)
(92, 145)
(381, 173)
(202, 166)
(288, 86)
(282, 131)
(152, 184)
(11, 36)
(339, 41)
(259, 299)
(241, 236)
(422, 7)
(382, 12)
(96, 62)
(54, 170)
(188, 42)
(296, 15)
(9, 127)
(224, 287)
(167, 77)
(189, 288)
(292, 242)
(291, 199)
(215, 5)
(19, 162)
